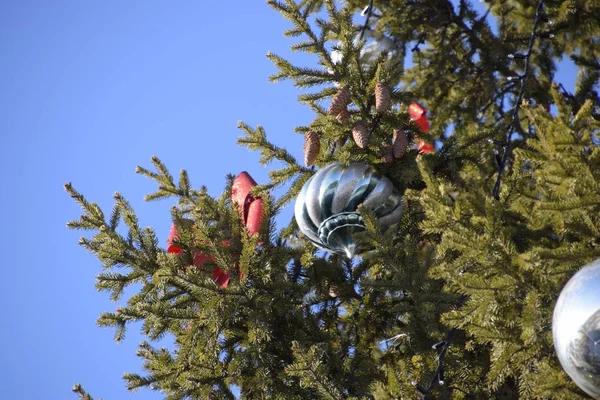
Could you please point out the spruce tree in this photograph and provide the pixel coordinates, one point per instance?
(456, 300)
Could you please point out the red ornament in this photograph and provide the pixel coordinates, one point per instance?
(418, 114)
(250, 207)
(423, 124)
(240, 192)
(173, 248)
(221, 278)
(425, 147)
(200, 258)
(255, 216)
(416, 111)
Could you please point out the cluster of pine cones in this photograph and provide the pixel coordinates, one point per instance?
(360, 131)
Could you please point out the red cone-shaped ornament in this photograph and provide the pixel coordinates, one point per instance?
(423, 124)
(425, 147)
(240, 192)
(416, 111)
(250, 207)
(173, 248)
(173, 236)
(221, 278)
(418, 114)
(255, 216)
(200, 258)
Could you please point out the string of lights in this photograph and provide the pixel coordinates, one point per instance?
(438, 375)
(368, 10)
(502, 159)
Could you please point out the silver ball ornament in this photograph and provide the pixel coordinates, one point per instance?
(576, 328)
(326, 208)
(375, 44)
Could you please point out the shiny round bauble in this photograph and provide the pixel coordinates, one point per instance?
(326, 208)
(576, 328)
(375, 45)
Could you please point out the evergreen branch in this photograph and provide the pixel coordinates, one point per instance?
(83, 395)
(94, 217)
(116, 283)
(117, 321)
(255, 139)
(166, 184)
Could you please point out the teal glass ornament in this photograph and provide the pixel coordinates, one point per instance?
(326, 208)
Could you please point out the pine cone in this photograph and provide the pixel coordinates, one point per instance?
(339, 102)
(344, 115)
(388, 154)
(312, 145)
(382, 98)
(360, 133)
(400, 143)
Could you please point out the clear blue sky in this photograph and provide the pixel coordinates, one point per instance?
(89, 90)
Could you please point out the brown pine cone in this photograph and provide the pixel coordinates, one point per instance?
(388, 154)
(339, 102)
(312, 145)
(344, 115)
(382, 98)
(400, 143)
(360, 133)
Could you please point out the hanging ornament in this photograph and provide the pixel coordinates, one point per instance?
(418, 114)
(399, 143)
(360, 133)
(576, 328)
(425, 148)
(340, 101)
(198, 258)
(221, 278)
(255, 217)
(250, 207)
(382, 98)
(172, 246)
(375, 45)
(326, 208)
(312, 145)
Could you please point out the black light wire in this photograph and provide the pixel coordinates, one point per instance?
(501, 161)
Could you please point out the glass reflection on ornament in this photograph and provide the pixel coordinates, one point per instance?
(326, 208)
(375, 45)
(576, 328)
